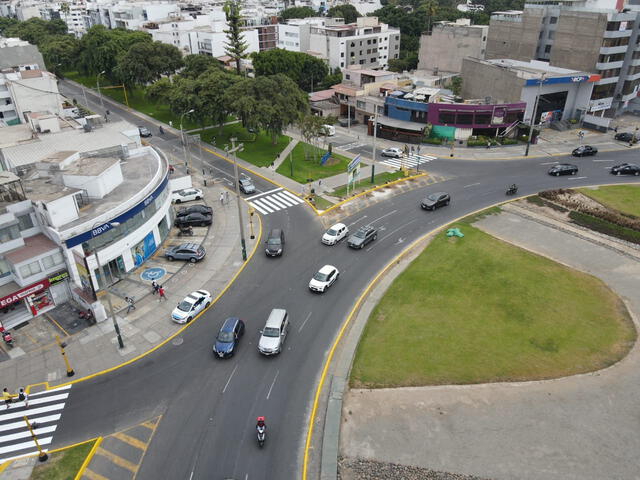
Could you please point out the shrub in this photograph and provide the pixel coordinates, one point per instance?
(509, 141)
(433, 141)
(604, 226)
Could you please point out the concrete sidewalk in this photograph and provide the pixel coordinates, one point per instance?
(95, 348)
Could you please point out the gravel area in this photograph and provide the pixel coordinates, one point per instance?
(360, 469)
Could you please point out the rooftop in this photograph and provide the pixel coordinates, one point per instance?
(33, 246)
(533, 68)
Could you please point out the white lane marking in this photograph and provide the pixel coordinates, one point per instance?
(576, 178)
(6, 459)
(305, 321)
(274, 205)
(32, 411)
(291, 195)
(603, 160)
(399, 228)
(360, 219)
(23, 445)
(272, 384)
(230, 377)
(27, 433)
(12, 426)
(263, 205)
(549, 163)
(191, 476)
(255, 205)
(287, 199)
(471, 185)
(264, 193)
(380, 218)
(272, 199)
(45, 392)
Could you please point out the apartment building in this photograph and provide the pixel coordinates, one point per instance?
(366, 43)
(296, 33)
(597, 36)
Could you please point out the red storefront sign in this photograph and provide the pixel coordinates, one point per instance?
(25, 292)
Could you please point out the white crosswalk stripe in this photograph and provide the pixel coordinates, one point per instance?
(44, 411)
(412, 161)
(274, 200)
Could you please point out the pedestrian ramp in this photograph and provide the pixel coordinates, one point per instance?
(44, 412)
(273, 201)
(410, 161)
(120, 455)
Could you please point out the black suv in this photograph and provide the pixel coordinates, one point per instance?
(363, 236)
(275, 243)
(435, 200)
(625, 137)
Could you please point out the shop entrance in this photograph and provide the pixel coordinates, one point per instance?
(551, 102)
(110, 273)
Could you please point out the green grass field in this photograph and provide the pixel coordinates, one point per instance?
(258, 148)
(62, 465)
(625, 198)
(365, 183)
(477, 309)
(310, 168)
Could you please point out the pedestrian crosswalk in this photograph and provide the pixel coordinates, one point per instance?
(411, 161)
(44, 412)
(274, 200)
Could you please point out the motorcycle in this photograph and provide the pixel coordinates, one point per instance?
(88, 316)
(262, 435)
(512, 190)
(186, 231)
(8, 339)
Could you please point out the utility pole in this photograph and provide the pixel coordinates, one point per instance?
(99, 93)
(116, 327)
(533, 117)
(233, 151)
(375, 133)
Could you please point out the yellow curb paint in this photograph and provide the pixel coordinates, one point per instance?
(144, 452)
(168, 339)
(128, 439)
(92, 452)
(153, 424)
(117, 459)
(53, 320)
(4, 465)
(91, 475)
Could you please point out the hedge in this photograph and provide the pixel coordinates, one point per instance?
(433, 141)
(602, 226)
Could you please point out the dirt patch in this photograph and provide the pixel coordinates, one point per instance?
(361, 469)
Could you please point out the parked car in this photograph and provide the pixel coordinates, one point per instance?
(563, 169)
(228, 337)
(275, 243)
(246, 185)
(362, 237)
(274, 333)
(194, 220)
(203, 209)
(144, 132)
(335, 234)
(191, 306)
(187, 194)
(328, 130)
(435, 200)
(584, 151)
(323, 279)
(392, 152)
(187, 251)
(625, 137)
(626, 169)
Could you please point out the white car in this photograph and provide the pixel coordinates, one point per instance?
(191, 306)
(187, 194)
(325, 277)
(335, 234)
(328, 130)
(392, 152)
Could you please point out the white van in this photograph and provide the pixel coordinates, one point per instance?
(274, 333)
(329, 130)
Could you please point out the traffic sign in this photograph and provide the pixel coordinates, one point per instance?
(353, 163)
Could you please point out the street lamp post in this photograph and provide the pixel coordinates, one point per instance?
(533, 116)
(375, 132)
(99, 93)
(116, 327)
(184, 151)
(233, 150)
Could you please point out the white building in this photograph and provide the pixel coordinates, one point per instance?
(367, 43)
(25, 91)
(86, 203)
(296, 33)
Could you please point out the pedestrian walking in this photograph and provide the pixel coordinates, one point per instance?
(155, 286)
(6, 396)
(170, 123)
(221, 198)
(226, 197)
(23, 397)
(161, 293)
(131, 304)
(488, 143)
(615, 129)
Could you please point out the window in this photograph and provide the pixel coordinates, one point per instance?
(360, 104)
(30, 269)
(360, 52)
(342, 54)
(361, 62)
(353, 54)
(52, 260)
(553, 20)
(9, 233)
(552, 34)
(482, 118)
(446, 117)
(25, 222)
(547, 49)
(341, 64)
(374, 60)
(464, 118)
(5, 268)
(369, 42)
(348, 76)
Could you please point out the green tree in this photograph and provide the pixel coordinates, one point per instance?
(212, 87)
(331, 79)
(160, 91)
(311, 129)
(297, 12)
(185, 96)
(307, 71)
(60, 53)
(196, 65)
(35, 30)
(346, 11)
(145, 62)
(456, 85)
(6, 23)
(236, 46)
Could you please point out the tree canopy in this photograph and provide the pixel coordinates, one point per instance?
(307, 71)
(35, 30)
(145, 62)
(196, 65)
(236, 46)
(346, 11)
(297, 12)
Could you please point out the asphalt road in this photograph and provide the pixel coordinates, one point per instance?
(209, 406)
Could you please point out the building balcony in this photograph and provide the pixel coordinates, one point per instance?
(613, 50)
(617, 33)
(7, 108)
(609, 65)
(635, 62)
(633, 76)
(629, 96)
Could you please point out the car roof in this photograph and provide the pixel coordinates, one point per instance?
(365, 228)
(229, 324)
(326, 269)
(338, 225)
(275, 232)
(191, 246)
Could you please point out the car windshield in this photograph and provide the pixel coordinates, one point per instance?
(360, 234)
(244, 182)
(184, 306)
(433, 196)
(271, 332)
(225, 336)
(274, 241)
(332, 232)
(321, 277)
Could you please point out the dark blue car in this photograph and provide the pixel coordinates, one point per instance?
(228, 337)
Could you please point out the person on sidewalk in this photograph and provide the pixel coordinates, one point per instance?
(23, 397)
(161, 293)
(131, 303)
(6, 396)
(221, 198)
(226, 197)
(155, 286)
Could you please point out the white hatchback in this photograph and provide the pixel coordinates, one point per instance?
(186, 195)
(325, 277)
(335, 234)
(191, 306)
